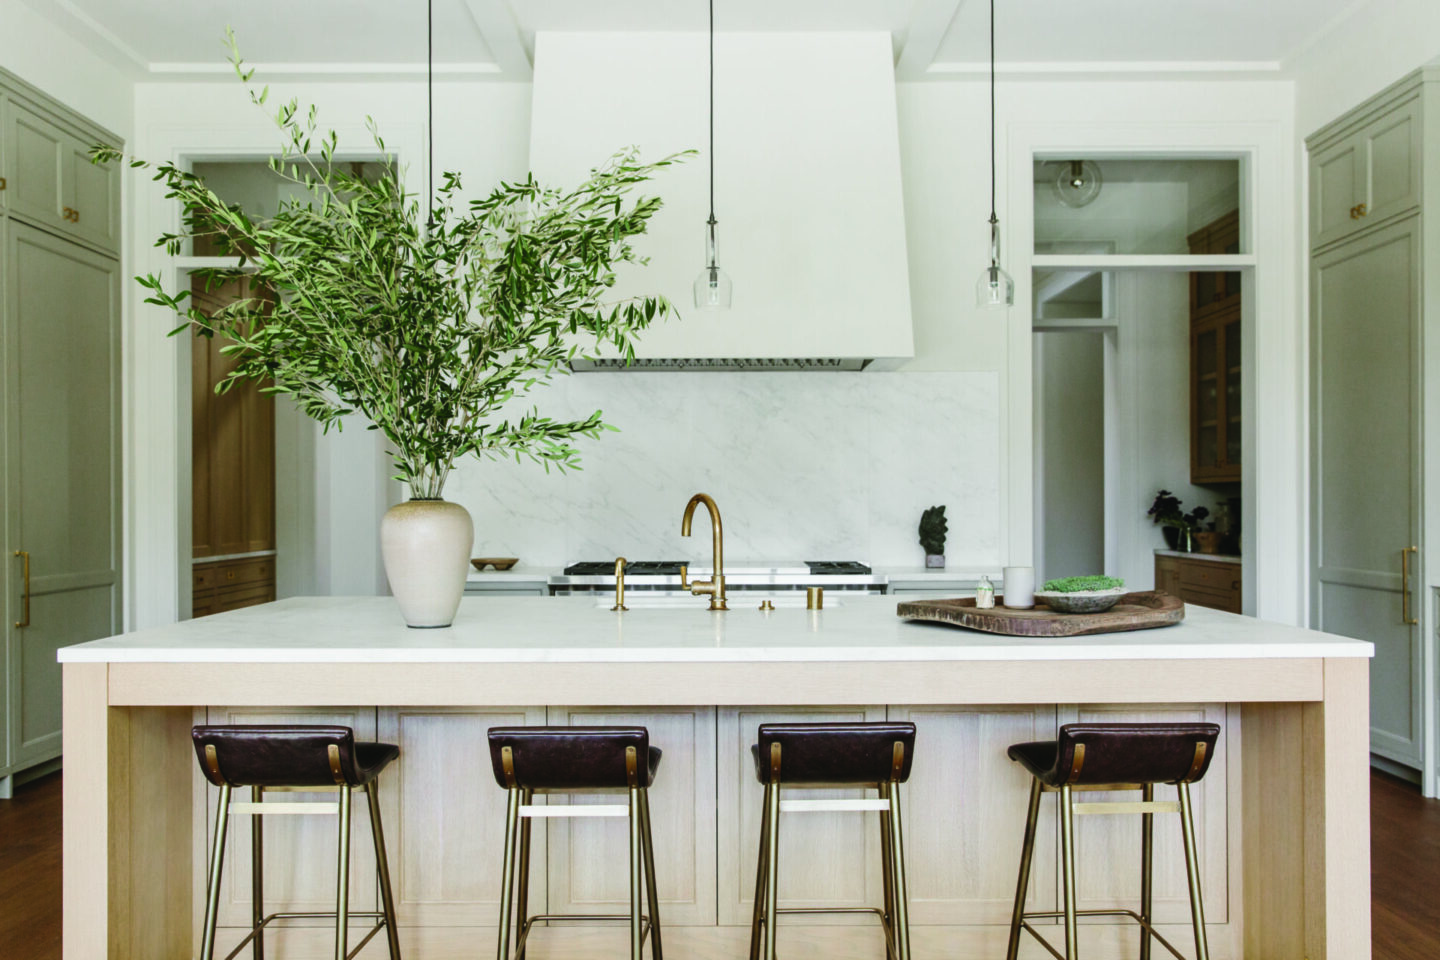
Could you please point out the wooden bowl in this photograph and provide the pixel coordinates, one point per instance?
(499, 563)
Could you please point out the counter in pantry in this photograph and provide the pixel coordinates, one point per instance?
(1281, 813)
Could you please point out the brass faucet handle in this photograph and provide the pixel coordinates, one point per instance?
(684, 576)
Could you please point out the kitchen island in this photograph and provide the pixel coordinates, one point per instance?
(1283, 814)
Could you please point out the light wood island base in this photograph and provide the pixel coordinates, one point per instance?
(1283, 815)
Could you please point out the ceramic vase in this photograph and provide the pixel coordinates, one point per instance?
(426, 545)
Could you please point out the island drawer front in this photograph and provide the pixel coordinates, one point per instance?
(248, 595)
(1227, 600)
(1210, 575)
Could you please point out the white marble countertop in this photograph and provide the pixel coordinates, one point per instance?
(545, 629)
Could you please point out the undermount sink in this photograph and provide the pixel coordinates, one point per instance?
(738, 604)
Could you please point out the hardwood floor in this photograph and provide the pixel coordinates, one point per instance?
(1405, 870)
(30, 870)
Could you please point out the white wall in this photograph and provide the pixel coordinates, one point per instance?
(484, 130)
(1070, 453)
(1370, 47)
(39, 52)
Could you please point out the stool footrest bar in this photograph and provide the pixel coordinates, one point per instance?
(817, 806)
(375, 915)
(577, 810)
(1056, 914)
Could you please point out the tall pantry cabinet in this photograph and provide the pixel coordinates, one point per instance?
(1375, 357)
(59, 409)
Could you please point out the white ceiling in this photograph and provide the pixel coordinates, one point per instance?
(496, 37)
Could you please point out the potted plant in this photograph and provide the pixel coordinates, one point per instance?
(432, 323)
(932, 537)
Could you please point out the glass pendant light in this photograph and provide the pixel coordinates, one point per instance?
(994, 288)
(712, 287)
(1078, 182)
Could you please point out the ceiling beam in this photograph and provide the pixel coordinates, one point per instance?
(928, 26)
(497, 24)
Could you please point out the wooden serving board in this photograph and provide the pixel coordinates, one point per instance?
(1135, 611)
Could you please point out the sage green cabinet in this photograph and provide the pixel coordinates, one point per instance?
(52, 183)
(59, 410)
(1367, 175)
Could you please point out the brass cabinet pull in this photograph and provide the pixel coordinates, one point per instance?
(1354, 213)
(3, 183)
(24, 556)
(1361, 210)
(70, 214)
(1405, 585)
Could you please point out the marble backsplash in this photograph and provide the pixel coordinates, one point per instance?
(804, 466)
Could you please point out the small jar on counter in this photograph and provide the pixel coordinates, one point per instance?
(985, 594)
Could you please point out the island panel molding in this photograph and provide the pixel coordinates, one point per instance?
(1285, 872)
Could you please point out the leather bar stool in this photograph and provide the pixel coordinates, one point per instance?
(820, 755)
(1114, 756)
(530, 760)
(297, 759)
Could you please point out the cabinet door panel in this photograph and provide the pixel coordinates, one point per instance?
(39, 155)
(94, 195)
(589, 857)
(1107, 848)
(826, 859)
(1336, 186)
(964, 813)
(1392, 146)
(445, 815)
(1365, 448)
(62, 426)
(300, 851)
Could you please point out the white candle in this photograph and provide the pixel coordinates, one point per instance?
(1020, 587)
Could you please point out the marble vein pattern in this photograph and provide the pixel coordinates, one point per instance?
(803, 466)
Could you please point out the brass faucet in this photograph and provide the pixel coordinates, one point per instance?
(619, 586)
(715, 586)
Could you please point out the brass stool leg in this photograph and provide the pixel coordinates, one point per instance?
(382, 868)
(507, 873)
(1147, 869)
(887, 876)
(342, 877)
(772, 868)
(761, 860)
(522, 893)
(1067, 846)
(217, 860)
(257, 876)
(636, 896)
(1027, 855)
(656, 952)
(1192, 872)
(897, 847)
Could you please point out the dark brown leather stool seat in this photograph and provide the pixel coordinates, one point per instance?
(836, 754)
(570, 758)
(1114, 756)
(1120, 753)
(815, 755)
(289, 756)
(303, 758)
(530, 760)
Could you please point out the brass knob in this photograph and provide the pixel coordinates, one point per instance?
(3, 184)
(1361, 210)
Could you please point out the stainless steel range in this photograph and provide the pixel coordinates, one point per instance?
(662, 577)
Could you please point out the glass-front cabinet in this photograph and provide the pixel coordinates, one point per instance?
(1215, 406)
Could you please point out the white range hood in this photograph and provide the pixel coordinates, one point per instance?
(807, 187)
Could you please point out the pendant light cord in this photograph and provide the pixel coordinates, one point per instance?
(430, 111)
(993, 218)
(712, 112)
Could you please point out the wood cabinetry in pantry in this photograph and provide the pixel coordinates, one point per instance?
(1216, 414)
(232, 473)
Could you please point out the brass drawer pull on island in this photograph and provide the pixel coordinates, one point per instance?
(24, 556)
(1405, 617)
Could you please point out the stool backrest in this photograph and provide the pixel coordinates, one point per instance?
(276, 755)
(1105, 753)
(839, 753)
(568, 758)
